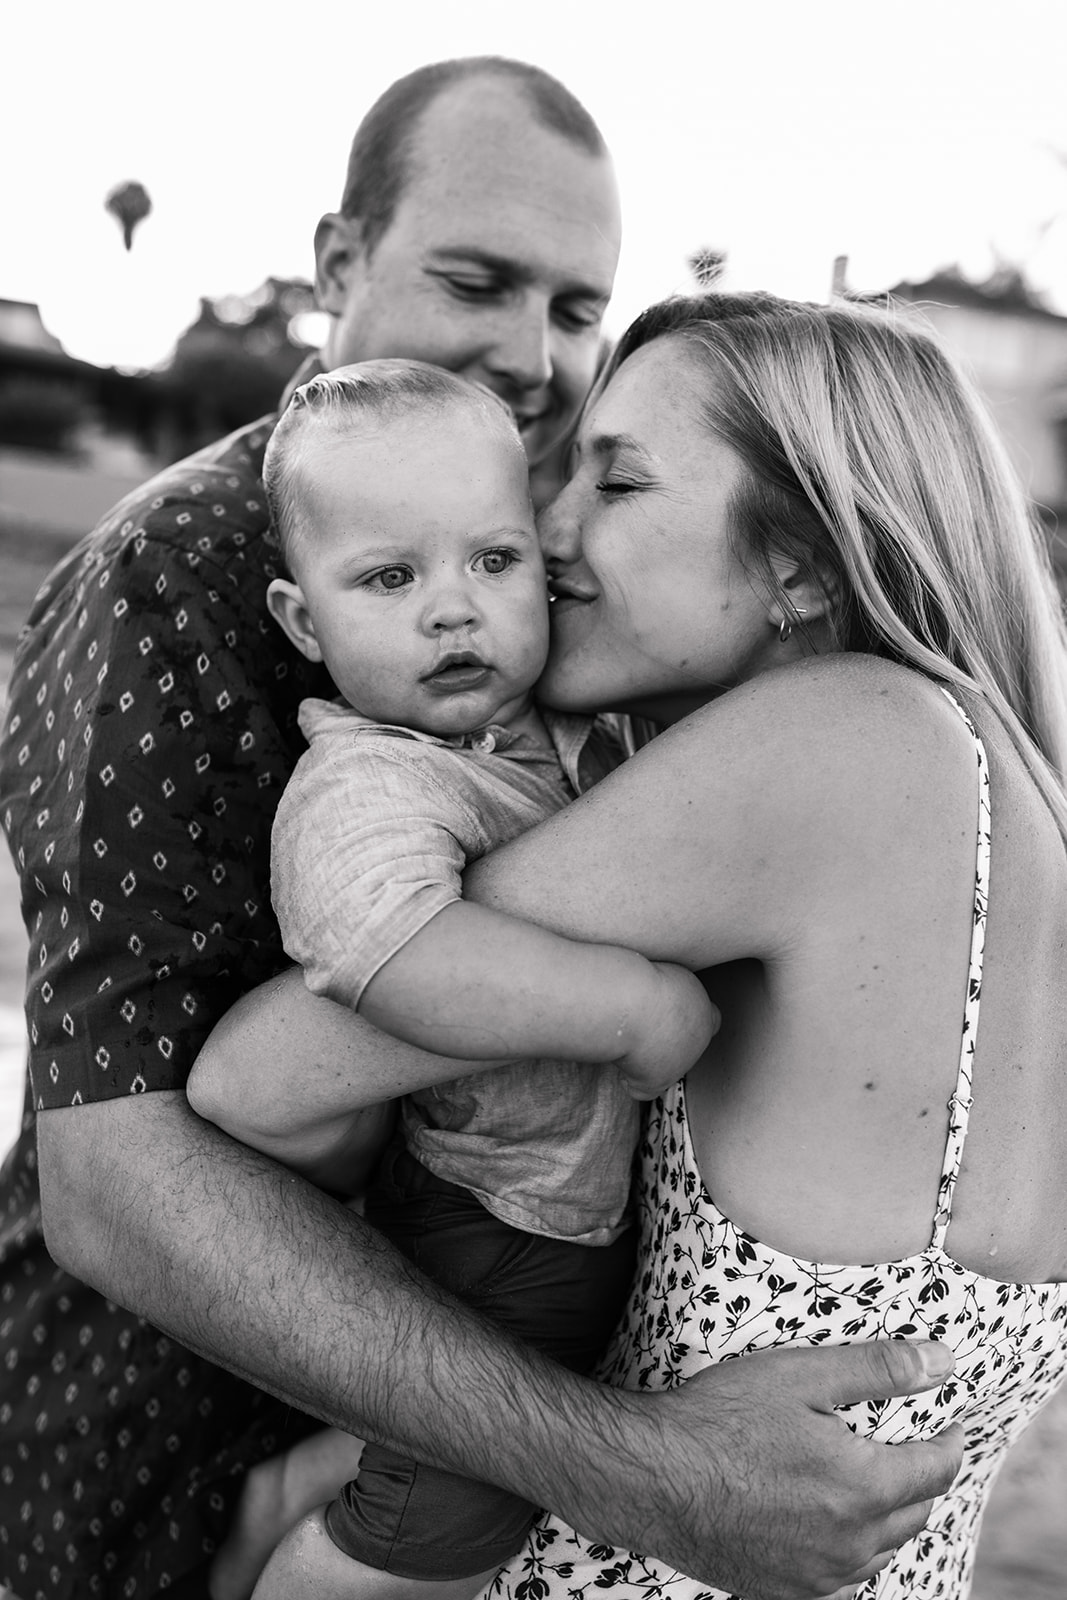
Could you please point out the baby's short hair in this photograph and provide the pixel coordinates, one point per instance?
(334, 401)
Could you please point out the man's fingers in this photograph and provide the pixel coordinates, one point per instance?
(927, 1468)
(884, 1368)
(869, 1571)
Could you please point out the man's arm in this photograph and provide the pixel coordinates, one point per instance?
(743, 1477)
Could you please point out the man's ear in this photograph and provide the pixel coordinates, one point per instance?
(286, 604)
(338, 249)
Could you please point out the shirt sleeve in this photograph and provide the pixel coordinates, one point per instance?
(368, 846)
(151, 729)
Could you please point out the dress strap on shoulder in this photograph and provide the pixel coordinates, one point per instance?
(959, 1106)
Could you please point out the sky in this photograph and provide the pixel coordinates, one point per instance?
(784, 132)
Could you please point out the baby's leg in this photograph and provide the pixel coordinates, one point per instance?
(308, 1564)
(277, 1493)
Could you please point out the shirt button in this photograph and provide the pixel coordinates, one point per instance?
(485, 742)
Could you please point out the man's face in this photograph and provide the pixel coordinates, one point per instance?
(498, 263)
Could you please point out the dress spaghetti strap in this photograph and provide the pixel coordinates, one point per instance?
(959, 1106)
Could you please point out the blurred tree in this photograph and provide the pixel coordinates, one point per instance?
(707, 265)
(129, 204)
(232, 363)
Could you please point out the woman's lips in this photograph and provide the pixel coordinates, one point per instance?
(566, 599)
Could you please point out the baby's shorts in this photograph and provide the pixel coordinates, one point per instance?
(564, 1299)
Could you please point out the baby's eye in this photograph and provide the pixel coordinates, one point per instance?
(391, 577)
(496, 561)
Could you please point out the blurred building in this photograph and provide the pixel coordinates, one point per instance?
(1015, 350)
(74, 438)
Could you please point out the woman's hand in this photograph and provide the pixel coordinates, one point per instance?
(673, 1025)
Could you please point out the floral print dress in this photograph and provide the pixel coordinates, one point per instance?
(707, 1291)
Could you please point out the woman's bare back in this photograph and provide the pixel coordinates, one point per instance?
(815, 847)
(820, 1118)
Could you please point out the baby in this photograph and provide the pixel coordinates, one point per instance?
(401, 498)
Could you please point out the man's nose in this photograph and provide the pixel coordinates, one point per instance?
(523, 353)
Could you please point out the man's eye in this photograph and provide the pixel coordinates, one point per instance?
(390, 577)
(580, 316)
(474, 288)
(616, 486)
(496, 561)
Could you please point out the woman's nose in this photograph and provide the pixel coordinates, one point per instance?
(558, 531)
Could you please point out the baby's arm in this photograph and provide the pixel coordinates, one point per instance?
(479, 984)
(368, 888)
(327, 1120)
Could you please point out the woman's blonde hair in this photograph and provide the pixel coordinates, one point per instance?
(874, 466)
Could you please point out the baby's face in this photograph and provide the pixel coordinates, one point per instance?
(422, 572)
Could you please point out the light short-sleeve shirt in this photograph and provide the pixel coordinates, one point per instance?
(370, 842)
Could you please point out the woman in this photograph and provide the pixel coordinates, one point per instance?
(791, 537)
(794, 522)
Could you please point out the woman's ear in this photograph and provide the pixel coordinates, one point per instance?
(286, 604)
(798, 594)
(338, 252)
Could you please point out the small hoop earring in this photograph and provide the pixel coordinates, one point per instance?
(785, 627)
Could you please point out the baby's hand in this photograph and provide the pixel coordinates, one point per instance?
(669, 1033)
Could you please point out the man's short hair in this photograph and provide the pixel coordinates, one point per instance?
(380, 390)
(379, 164)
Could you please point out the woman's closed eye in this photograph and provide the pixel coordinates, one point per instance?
(617, 486)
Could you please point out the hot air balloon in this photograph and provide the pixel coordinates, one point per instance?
(129, 204)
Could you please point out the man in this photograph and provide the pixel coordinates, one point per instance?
(150, 732)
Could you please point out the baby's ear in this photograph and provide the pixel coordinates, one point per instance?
(286, 604)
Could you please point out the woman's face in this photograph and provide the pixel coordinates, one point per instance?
(654, 612)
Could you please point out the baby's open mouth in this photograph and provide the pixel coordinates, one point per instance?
(460, 671)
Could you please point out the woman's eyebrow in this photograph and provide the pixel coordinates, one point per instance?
(606, 444)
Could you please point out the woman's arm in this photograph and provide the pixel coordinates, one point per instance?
(710, 844)
(777, 805)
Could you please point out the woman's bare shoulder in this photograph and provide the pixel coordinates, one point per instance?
(831, 717)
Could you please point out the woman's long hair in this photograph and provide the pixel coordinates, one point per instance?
(874, 466)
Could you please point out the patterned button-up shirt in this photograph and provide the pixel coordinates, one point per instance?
(151, 728)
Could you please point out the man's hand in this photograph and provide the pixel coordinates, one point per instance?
(672, 1025)
(758, 1488)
